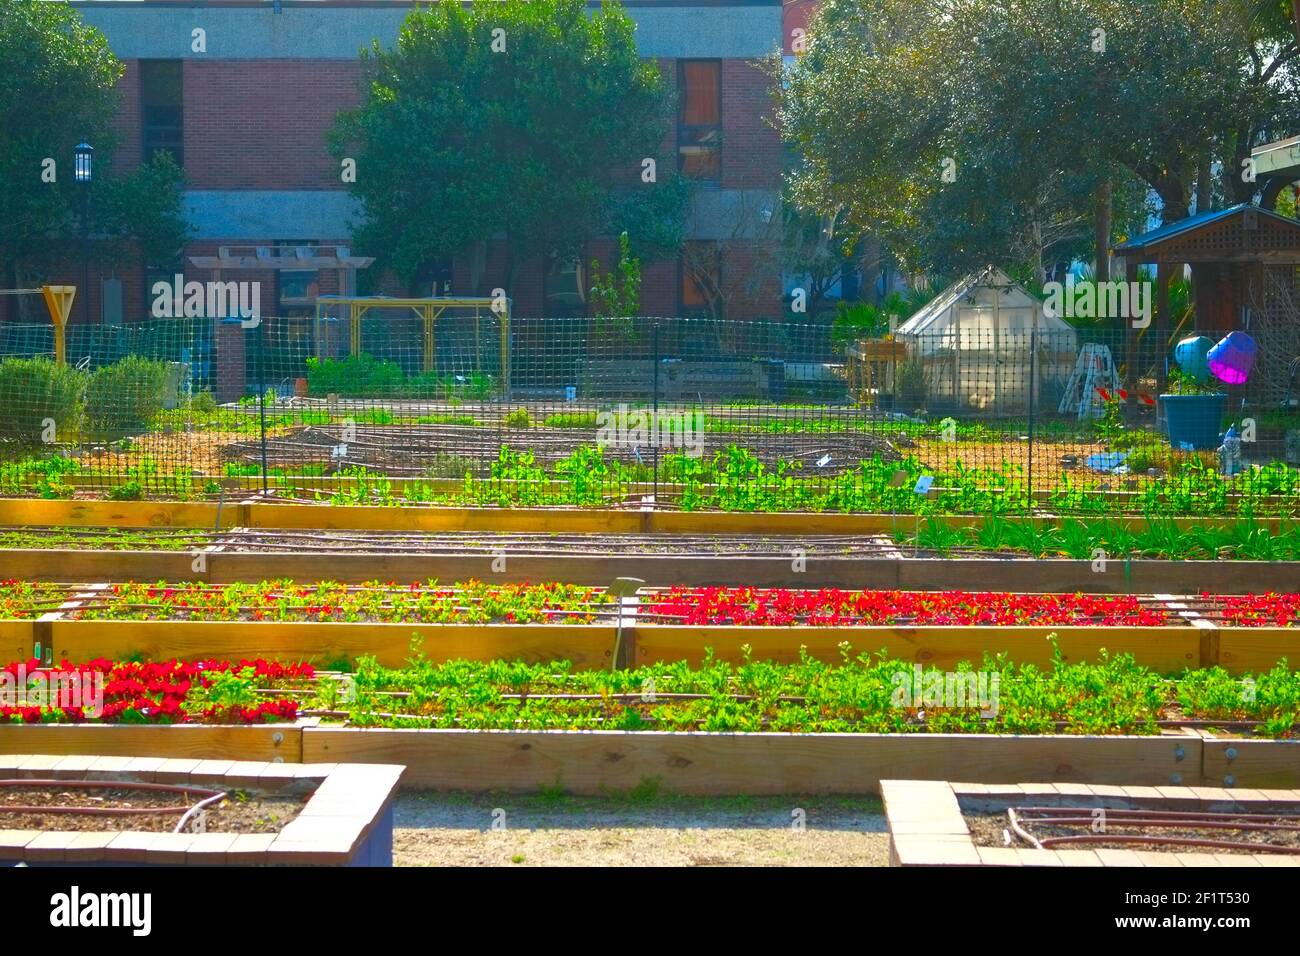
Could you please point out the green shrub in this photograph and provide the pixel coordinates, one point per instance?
(570, 420)
(857, 321)
(128, 491)
(364, 376)
(203, 403)
(449, 465)
(474, 385)
(910, 386)
(357, 376)
(125, 397)
(517, 418)
(35, 392)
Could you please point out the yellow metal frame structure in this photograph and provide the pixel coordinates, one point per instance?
(58, 299)
(430, 310)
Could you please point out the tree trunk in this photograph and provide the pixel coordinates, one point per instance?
(1204, 185)
(1173, 200)
(872, 270)
(1101, 234)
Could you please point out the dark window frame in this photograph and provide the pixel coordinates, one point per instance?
(299, 306)
(158, 272)
(162, 135)
(688, 135)
(684, 273)
(583, 278)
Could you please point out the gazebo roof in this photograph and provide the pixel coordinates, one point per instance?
(1242, 233)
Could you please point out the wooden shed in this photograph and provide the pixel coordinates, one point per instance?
(1245, 264)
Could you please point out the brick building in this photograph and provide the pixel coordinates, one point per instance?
(247, 121)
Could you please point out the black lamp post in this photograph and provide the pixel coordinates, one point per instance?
(83, 172)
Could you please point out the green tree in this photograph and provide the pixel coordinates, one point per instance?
(501, 118)
(57, 88)
(617, 293)
(968, 131)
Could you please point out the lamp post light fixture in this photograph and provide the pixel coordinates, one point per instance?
(85, 156)
(83, 173)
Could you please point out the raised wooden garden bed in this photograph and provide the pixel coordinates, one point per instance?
(262, 513)
(222, 566)
(1164, 632)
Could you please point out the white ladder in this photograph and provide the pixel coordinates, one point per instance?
(1093, 369)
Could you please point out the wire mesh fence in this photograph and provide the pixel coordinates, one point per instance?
(640, 412)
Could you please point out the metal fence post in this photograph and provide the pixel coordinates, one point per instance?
(261, 399)
(654, 420)
(1033, 408)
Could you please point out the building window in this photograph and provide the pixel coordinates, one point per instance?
(434, 278)
(701, 285)
(297, 289)
(162, 110)
(565, 288)
(165, 270)
(699, 119)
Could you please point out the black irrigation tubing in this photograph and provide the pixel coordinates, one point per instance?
(187, 810)
(1081, 816)
(516, 544)
(193, 613)
(194, 588)
(921, 725)
(519, 544)
(528, 544)
(1048, 843)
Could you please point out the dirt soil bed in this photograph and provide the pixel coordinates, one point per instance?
(991, 829)
(410, 450)
(241, 812)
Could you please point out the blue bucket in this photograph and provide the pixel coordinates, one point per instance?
(1192, 421)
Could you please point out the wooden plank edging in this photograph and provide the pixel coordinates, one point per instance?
(256, 513)
(272, 743)
(74, 565)
(595, 762)
(320, 643)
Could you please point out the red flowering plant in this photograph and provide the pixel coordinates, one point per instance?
(1261, 610)
(833, 607)
(171, 692)
(27, 599)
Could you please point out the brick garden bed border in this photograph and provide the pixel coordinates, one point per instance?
(926, 826)
(347, 820)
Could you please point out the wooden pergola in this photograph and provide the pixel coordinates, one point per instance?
(287, 259)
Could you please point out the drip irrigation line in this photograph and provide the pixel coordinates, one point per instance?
(209, 797)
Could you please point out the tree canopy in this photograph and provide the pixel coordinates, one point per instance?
(57, 88)
(968, 131)
(506, 118)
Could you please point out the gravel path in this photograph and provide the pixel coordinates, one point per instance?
(458, 830)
